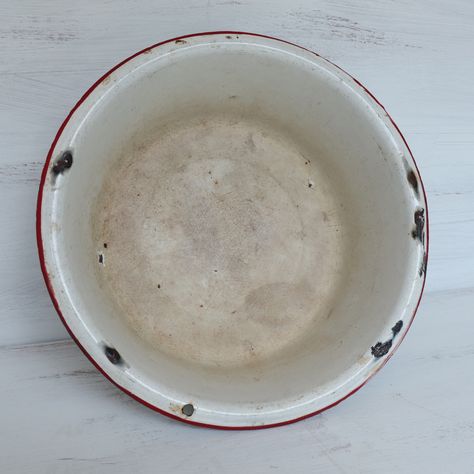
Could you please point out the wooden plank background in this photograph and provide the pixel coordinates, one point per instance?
(57, 414)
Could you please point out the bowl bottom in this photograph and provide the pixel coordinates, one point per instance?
(220, 241)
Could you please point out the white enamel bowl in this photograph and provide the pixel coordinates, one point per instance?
(233, 230)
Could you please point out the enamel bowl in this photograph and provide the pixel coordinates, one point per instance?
(233, 230)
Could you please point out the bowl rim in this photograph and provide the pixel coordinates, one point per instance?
(48, 282)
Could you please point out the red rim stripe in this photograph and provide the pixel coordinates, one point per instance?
(49, 284)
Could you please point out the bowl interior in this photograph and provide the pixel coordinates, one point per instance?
(237, 223)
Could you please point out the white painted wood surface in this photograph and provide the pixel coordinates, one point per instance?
(57, 414)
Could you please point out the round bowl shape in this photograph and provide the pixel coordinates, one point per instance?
(233, 230)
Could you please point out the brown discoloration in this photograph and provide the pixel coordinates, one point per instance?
(175, 408)
(180, 41)
(250, 143)
(364, 360)
(241, 242)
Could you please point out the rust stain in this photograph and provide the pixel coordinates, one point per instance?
(113, 355)
(188, 409)
(63, 163)
(419, 219)
(423, 265)
(381, 348)
(411, 176)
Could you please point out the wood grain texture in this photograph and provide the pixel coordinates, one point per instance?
(59, 415)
